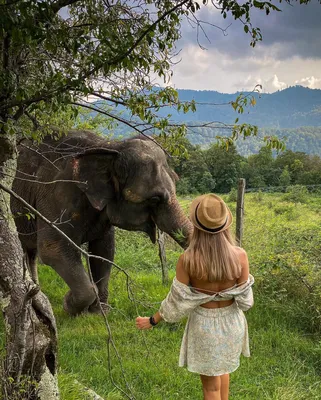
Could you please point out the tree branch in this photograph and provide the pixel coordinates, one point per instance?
(58, 5)
(42, 155)
(137, 42)
(124, 121)
(118, 102)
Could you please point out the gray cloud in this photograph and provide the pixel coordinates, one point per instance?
(296, 31)
(289, 54)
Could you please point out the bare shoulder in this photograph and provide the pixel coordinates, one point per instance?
(240, 250)
(242, 254)
(245, 269)
(181, 274)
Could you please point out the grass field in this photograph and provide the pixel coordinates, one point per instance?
(283, 240)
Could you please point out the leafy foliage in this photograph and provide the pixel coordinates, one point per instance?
(55, 53)
(296, 194)
(217, 169)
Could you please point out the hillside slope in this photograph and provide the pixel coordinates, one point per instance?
(293, 114)
(290, 108)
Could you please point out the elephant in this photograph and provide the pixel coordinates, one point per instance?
(87, 185)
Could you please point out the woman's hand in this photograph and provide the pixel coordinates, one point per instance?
(143, 323)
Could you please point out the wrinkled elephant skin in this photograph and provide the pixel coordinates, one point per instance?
(92, 185)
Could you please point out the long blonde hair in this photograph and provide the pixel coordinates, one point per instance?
(212, 257)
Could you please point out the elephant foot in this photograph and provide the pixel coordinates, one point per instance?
(73, 307)
(95, 308)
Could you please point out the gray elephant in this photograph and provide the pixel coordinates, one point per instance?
(92, 185)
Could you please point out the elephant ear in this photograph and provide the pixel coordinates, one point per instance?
(93, 171)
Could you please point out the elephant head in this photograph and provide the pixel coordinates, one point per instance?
(133, 183)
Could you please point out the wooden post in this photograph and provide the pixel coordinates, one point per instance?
(162, 256)
(240, 211)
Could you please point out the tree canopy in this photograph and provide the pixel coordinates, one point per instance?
(216, 169)
(55, 53)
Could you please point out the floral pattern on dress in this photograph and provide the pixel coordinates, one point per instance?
(214, 338)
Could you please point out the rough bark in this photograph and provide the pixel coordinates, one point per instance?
(31, 336)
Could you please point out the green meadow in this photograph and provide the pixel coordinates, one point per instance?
(282, 235)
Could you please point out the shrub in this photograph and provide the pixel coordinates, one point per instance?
(288, 210)
(296, 194)
(258, 196)
(232, 196)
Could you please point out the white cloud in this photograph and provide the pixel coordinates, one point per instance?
(214, 70)
(309, 81)
(269, 84)
(273, 84)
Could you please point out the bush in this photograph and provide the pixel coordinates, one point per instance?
(258, 196)
(296, 194)
(232, 196)
(287, 210)
(183, 186)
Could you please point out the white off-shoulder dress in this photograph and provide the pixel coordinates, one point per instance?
(214, 338)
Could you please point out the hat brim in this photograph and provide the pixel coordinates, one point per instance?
(192, 216)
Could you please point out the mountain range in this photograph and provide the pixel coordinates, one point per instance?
(289, 108)
(292, 114)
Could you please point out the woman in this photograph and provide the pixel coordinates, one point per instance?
(213, 287)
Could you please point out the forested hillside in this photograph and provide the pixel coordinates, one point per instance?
(290, 108)
(293, 115)
(305, 139)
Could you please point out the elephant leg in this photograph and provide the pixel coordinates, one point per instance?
(66, 261)
(100, 270)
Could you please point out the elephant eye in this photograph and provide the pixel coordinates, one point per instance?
(155, 200)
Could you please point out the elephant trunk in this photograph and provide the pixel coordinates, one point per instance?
(170, 218)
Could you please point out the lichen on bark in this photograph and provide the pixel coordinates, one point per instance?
(48, 388)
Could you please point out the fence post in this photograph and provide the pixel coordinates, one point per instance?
(240, 210)
(162, 255)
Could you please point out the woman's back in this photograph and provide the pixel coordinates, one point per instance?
(205, 286)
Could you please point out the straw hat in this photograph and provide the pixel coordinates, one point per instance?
(210, 214)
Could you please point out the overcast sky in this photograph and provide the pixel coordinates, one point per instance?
(289, 54)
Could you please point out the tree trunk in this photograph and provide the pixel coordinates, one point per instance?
(29, 370)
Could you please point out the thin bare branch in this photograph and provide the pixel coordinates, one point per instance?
(39, 153)
(58, 5)
(124, 121)
(118, 102)
(45, 183)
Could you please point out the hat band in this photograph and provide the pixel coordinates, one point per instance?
(204, 227)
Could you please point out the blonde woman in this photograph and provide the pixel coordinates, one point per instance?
(213, 287)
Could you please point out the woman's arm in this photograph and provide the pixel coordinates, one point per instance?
(181, 276)
(244, 301)
(245, 269)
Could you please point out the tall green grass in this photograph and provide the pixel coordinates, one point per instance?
(283, 242)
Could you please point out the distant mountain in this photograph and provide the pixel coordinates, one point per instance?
(293, 114)
(290, 108)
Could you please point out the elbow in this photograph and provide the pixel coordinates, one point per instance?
(245, 306)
